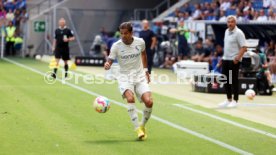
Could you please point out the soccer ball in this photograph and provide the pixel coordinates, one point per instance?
(101, 104)
(250, 94)
(37, 57)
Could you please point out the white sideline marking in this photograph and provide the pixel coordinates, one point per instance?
(199, 135)
(227, 121)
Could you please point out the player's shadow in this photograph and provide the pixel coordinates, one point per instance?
(110, 141)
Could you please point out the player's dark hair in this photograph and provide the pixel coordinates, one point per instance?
(126, 25)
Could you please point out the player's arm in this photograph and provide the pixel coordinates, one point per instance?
(242, 43)
(112, 56)
(70, 35)
(108, 64)
(54, 45)
(153, 42)
(145, 65)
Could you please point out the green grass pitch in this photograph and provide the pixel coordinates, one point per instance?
(38, 118)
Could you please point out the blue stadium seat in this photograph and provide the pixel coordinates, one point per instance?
(230, 12)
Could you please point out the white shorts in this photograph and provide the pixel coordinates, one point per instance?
(139, 88)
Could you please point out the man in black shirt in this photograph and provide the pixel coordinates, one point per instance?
(63, 36)
(150, 41)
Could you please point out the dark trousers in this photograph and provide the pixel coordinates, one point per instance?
(231, 71)
(10, 48)
(150, 54)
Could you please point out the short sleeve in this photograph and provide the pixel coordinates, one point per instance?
(241, 39)
(113, 52)
(70, 33)
(55, 35)
(152, 34)
(143, 45)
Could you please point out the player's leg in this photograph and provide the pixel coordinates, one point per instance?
(57, 57)
(227, 86)
(66, 57)
(66, 68)
(54, 75)
(132, 111)
(143, 93)
(148, 101)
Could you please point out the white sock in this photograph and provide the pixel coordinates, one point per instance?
(146, 115)
(133, 115)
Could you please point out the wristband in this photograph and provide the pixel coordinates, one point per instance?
(146, 69)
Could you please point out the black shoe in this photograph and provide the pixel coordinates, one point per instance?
(54, 75)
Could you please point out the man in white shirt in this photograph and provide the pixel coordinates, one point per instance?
(234, 48)
(262, 17)
(134, 76)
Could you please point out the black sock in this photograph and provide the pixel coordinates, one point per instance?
(66, 70)
(55, 73)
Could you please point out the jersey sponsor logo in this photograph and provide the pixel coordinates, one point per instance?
(137, 48)
(130, 56)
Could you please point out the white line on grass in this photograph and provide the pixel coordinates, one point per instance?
(227, 121)
(199, 135)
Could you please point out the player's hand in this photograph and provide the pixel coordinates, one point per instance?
(107, 65)
(148, 76)
(65, 39)
(236, 60)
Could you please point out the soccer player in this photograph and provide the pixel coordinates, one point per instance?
(63, 36)
(134, 76)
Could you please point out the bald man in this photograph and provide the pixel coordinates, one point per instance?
(150, 40)
(63, 36)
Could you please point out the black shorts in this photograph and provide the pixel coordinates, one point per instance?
(62, 53)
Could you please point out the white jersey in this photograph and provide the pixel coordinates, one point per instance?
(129, 56)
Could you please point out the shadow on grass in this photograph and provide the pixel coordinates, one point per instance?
(112, 141)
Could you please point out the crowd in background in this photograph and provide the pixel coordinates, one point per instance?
(218, 10)
(172, 35)
(13, 18)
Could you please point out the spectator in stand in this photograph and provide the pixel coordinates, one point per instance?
(216, 58)
(198, 51)
(197, 13)
(271, 15)
(247, 15)
(267, 3)
(180, 16)
(9, 4)
(21, 4)
(255, 15)
(175, 13)
(225, 5)
(248, 6)
(10, 15)
(240, 6)
(187, 16)
(208, 49)
(262, 17)
(24, 19)
(216, 10)
(222, 18)
(270, 51)
(186, 8)
(2, 13)
(17, 20)
(239, 15)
